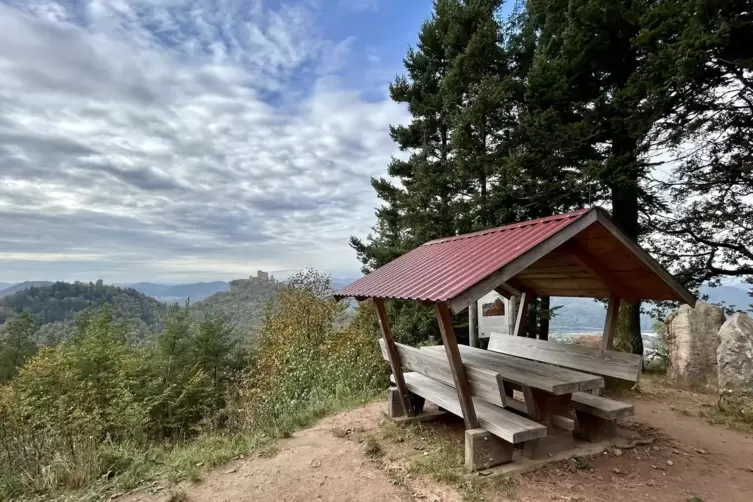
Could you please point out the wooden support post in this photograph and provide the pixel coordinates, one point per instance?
(397, 369)
(456, 366)
(522, 316)
(473, 324)
(511, 310)
(592, 428)
(610, 325)
(483, 450)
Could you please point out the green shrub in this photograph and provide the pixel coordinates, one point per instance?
(305, 361)
(97, 411)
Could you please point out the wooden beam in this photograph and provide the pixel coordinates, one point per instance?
(525, 260)
(511, 317)
(595, 266)
(394, 357)
(606, 221)
(444, 318)
(610, 325)
(522, 315)
(473, 324)
(507, 290)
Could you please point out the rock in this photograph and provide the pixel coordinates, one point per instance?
(735, 354)
(692, 344)
(616, 452)
(670, 463)
(315, 463)
(572, 469)
(701, 451)
(616, 470)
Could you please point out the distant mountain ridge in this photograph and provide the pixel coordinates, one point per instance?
(179, 292)
(15, 288)
(242, 300)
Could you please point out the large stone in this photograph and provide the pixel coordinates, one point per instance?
(735, 354)
(692, 341)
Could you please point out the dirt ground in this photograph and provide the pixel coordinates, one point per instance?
(688, 458)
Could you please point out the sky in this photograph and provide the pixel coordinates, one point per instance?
(189, 140)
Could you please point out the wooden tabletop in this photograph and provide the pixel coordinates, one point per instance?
(546, 377)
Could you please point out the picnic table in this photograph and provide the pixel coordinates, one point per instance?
(546, 391)
(519, 400)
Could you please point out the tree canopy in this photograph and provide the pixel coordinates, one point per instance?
(642, 107)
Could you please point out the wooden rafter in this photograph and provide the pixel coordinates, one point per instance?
(596, 267)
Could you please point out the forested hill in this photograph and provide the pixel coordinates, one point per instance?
(55, 307)
(242, 305)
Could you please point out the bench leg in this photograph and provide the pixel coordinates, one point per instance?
(592, 428)
(541, 448)
(394, 404)
(483, 450)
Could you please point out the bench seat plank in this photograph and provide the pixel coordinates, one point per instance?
(500, 422)
(601, 407)
(552, 379)
(612, 363)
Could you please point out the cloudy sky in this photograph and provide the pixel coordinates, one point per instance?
(182, 140)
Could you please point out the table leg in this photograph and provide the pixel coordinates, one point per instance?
(548, 409)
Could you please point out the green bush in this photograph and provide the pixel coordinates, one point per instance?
(303, 361)
(97, 411)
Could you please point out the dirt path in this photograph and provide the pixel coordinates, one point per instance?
(688, 459)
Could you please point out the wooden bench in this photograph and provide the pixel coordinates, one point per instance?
(595, 415)
(431, 378)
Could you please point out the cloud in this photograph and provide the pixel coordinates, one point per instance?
(180, 140)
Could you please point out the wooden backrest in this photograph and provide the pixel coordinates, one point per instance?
(483, 383)
(615, 364)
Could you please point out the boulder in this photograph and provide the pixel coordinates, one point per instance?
(735, 354)
(692, 344)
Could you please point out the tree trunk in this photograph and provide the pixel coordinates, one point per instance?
(628, 323)
(544, 318)
(625, 212)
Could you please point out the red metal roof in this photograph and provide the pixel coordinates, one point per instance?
(441, 269)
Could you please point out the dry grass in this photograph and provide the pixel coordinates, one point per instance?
(433, 451)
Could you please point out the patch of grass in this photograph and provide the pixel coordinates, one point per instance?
(733, 410)
(178, 496)
(441, 458)
(582, 463)
(372, 448)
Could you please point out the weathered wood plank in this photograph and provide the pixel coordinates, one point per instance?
(534, 374)
(433, 364)
(612, 363)
(601, 407)
(503, 424)
(610, 324)
(392, 355)
(444, 318)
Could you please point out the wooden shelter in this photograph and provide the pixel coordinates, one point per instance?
(579, 254)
